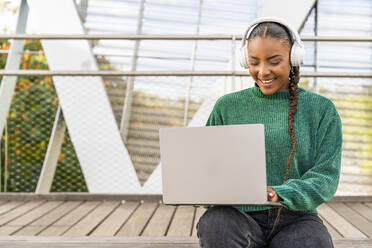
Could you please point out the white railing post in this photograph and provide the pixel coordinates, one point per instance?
(51, 158)
(193, 58)
(233, 68)
(8, 83)
(125, 117)
(12, 63)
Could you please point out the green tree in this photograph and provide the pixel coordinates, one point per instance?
(29, 125)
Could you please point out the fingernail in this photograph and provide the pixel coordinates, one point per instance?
(271, 194)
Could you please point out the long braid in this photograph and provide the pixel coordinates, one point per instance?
(280, 32)
(293, 100)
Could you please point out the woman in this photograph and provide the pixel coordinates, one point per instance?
(303, 147)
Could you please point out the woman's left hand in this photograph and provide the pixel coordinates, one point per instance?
(272, 195)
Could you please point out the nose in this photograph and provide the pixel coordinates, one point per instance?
(263, 71)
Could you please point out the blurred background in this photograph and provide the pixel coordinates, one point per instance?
(171, 101)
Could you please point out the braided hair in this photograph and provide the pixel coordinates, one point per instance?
(280, 32)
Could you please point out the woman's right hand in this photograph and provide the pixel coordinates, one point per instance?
(272, 195)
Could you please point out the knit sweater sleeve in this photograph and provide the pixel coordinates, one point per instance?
(215, 118)
(318, 184)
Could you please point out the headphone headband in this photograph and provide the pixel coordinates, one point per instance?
(297, 50)
(293, 32)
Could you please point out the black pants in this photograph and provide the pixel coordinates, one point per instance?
(222, 226)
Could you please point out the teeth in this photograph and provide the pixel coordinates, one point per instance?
(267, 81)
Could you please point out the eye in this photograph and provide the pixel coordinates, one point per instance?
(253, 63)
(275, 63)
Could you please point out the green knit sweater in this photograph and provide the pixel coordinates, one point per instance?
(315, 168)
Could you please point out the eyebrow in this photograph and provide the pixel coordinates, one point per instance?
(277, 55)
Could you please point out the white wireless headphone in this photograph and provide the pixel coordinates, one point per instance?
(297, 53)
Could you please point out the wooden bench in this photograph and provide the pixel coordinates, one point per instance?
(102, 220)
(127, 242)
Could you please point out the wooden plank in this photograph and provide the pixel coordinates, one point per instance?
(353, 217)
(352, 243)
(181, 225)
(53, 231)
(94, 242)
(63, 224)
(346, 229)
(362, 209)
(57, 213)
(160, 221)
(8, 206)
(79, 196)
(199, 212)
(368, 204)
(116, 220)
(37, 226)
(130, 242)
(19, 211)
(138, 220)
(90, 221)
(27, 218)
(334, 233)
(35, 213)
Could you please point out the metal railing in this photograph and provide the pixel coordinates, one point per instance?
(166, 73)
(228, 73)
(231, 73)
(168, 37)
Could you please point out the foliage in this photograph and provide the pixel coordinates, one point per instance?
(29, 125)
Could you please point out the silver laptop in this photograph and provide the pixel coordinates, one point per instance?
(214, 165)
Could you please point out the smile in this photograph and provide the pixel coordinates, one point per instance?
(267, 82)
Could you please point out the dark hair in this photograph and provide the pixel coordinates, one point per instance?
(280, 32)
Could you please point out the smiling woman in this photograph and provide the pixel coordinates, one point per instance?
(290, 115)
(269, 64)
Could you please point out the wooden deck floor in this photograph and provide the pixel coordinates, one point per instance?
(81, 220)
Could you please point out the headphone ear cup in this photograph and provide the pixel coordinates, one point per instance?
(297, 54)
(243, 56)
(246, 56)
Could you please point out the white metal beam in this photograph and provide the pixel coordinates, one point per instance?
(294, 11)
(125, 117)
(104, 160)
(12, 63)
(51, 158)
